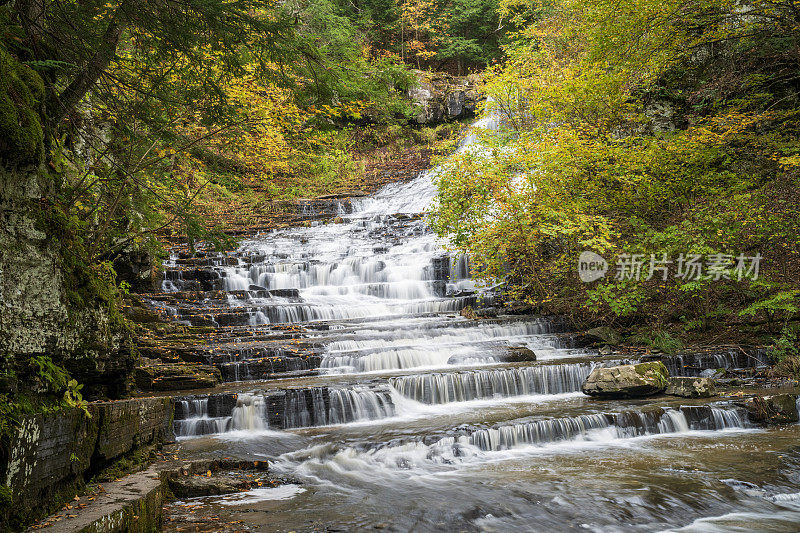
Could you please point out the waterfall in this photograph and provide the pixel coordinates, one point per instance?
(319, 407)
(351, 405)
(479, 384)
(250, 413)
(471, 445)
(192, 419)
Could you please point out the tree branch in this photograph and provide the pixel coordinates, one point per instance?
(94, 68)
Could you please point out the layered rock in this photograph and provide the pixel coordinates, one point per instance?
(44, 311)
(166, 377)
(775, 409)
(441, 97)
(51, 455)
(627, 381)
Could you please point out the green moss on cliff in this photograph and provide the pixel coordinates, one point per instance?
(21, 95)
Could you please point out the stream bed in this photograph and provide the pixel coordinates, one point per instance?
(354, 374)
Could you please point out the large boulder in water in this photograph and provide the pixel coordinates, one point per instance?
(776, 409)
(627, 381)
(691, 387)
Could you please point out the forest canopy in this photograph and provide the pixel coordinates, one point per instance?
(649, 130)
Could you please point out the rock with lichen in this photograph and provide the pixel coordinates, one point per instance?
(627, 381)
(691, 387)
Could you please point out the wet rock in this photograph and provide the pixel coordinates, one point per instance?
(627, 381)
(518, 354)
(195, 486)
(165, 377)
(285, 293)
(689, 387)
(135, 268)
(605, 335)
(776, 409)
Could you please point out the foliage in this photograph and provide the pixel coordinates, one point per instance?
(786, 352)
(644, 128)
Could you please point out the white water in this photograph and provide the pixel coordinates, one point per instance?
(417, 423)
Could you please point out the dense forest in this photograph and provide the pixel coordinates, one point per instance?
(644, 131)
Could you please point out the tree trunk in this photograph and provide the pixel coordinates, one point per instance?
(94, 68)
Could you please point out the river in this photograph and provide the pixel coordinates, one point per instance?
(356, 375)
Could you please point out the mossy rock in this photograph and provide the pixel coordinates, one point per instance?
(774, 409)
(604, 335)
(627, 381)
(21, 96)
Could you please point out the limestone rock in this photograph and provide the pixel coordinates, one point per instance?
(195, 486)
(776, 409)
(441, 97)
(689, 387)
(605, 335)
(165, 377)
(518, 354)
(627, 381)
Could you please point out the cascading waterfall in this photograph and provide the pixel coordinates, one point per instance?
(472, 446)
(415, 348)
(250, 413)
(356, 404)
(192, 419)
(479, 384)
(624, 425)
(376, 293)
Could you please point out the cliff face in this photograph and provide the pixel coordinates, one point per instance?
(441, 97)
(36, 314)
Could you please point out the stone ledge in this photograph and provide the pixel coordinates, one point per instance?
(132, 504)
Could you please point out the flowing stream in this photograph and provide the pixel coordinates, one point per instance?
(418, 419)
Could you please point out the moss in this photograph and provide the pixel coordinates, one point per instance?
(654, 371)
(21, 95)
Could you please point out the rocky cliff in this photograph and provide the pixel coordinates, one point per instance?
(49, 304)
(441, 97)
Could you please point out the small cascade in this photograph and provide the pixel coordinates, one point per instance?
(480, 384)
(626, 424)
(473, 445)
(250, 413)
(320, 406)
(297, 413)
(430, 348)
(192, 419)
(406, 358)
(536, 433)
(351, 405)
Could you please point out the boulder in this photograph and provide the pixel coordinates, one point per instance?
(518, 354)
(775, 409)
(689, 387)
(604, 335)
(196, 486)
(440, 97)
(627, 381)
